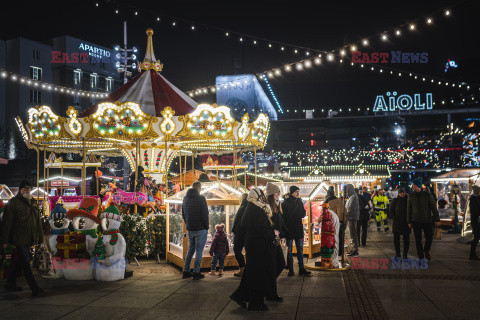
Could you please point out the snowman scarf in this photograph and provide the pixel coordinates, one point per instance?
(114, 233)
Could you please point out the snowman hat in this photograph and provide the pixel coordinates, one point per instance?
(111, 212)
(59, 212)
(88, 208)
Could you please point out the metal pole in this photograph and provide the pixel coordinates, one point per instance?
(166, 169)
(61, 177)
(255, 166)
(193, 168)
(185, 175)
(84, 182)
(125, 61)
(137, 154)
(180, 163)
(44, 173)
(38, 172)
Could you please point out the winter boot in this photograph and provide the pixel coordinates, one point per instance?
(240, 272)
(291, 273)
(220, 272)
(212, 273)
(303, 272)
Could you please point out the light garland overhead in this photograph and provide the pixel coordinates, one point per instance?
(50, 87)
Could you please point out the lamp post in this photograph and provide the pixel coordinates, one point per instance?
(124, 56)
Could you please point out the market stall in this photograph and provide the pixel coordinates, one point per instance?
(223, 202)
(361, 175)
(452, 190)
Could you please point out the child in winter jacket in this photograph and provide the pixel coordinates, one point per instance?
(219, 249)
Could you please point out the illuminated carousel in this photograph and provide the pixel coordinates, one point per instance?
(148, 121)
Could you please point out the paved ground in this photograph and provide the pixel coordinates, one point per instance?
(448, 289)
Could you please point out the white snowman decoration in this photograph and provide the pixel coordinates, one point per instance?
(85, 221)
(58, 226)
(112, 264)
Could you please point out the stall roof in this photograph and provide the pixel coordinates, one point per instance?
(216, 193)
(360, 172)
(460, 174)
(5, 192)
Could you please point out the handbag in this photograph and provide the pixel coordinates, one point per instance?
(437, 234)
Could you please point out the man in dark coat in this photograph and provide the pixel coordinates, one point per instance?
(398, 212)
(239, 236)
(195, 215)
(22, 227)
(422, 212)
(293, 213)
(474, 206)
(362, 225)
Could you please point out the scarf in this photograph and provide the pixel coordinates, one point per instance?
(92, 232)
(254, 197)
(58, 231)
(114, 233)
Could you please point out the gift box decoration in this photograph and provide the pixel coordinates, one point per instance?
(71, 245)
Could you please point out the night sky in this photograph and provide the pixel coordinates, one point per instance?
(192, 59)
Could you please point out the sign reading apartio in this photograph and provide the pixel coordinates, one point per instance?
(402, 102)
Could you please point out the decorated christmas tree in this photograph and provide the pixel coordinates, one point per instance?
(99, 251)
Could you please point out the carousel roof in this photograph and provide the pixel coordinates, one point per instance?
(150, 89)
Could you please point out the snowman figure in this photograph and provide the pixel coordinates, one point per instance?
(111, 263)
(58, 226)
(85, 221)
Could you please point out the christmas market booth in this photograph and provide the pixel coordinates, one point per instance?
(361, 175)
(452, 190)
(223, 202)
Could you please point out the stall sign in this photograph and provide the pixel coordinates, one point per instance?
(58, 183)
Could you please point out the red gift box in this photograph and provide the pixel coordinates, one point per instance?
(70, 245)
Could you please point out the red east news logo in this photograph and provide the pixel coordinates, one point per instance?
(65, 57)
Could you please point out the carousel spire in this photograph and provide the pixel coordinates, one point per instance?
(149, 62)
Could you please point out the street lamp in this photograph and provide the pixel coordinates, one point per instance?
(126, 57)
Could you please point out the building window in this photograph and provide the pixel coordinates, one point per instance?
(93, 80)
(36, 54)
(109, 82)
(77, 77)
(35, 96)
(36, 73)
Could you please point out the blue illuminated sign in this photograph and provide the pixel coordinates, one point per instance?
(450, 64)
(403, 102)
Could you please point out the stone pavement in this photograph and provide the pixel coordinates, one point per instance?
(448, 289)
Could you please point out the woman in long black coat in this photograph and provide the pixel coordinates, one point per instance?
(259, 270)
(239, 235)
(398, 212)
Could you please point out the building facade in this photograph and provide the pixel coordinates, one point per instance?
(64, 61)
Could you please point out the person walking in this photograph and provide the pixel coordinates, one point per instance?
(353, 213)
(219, 249)
(362, 226)
(272, 192)
(293, 213)
(195, 215)
(474, 206)
(330, 194)
(239, 235)
(259, 271)
(380, 204)
(398, 212)
(421, 212)
(22, 227)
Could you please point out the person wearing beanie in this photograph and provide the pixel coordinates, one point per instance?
(474, 206)
(22, 227)
(422, 212)
(398, 212)
(293, 214)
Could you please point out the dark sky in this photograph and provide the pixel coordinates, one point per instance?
(193, 59)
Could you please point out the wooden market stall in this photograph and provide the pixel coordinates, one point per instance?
(361, 175)
(223, 202)
(442, 184)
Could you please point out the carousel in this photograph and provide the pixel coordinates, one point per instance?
(149, 122)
